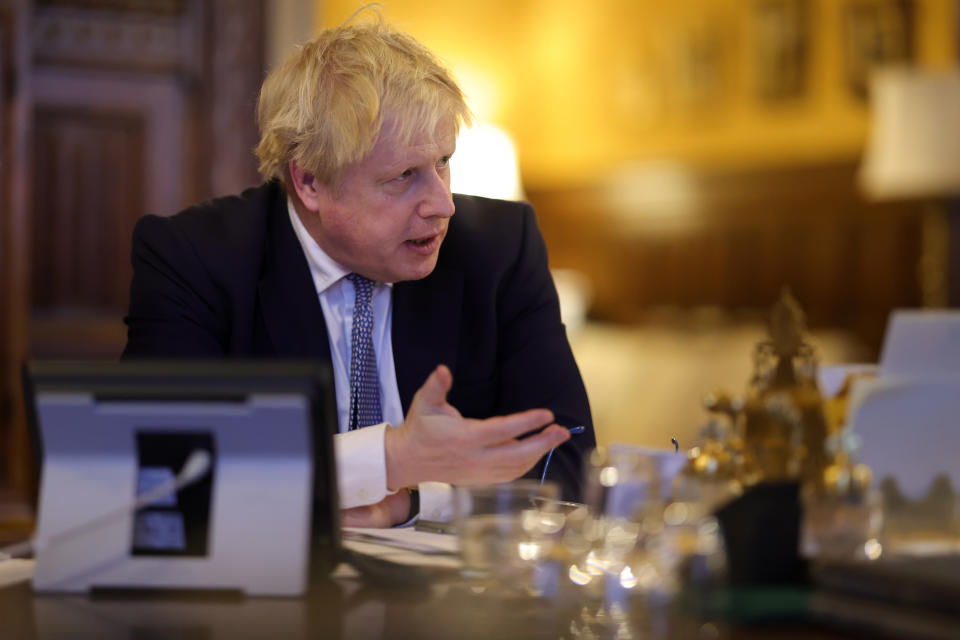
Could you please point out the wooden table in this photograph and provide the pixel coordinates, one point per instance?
(364, 607)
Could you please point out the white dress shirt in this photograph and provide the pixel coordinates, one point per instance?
(360, 454)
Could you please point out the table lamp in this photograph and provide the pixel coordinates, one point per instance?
(913, 153)
(485, 163)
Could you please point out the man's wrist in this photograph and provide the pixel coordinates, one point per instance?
(397, 459)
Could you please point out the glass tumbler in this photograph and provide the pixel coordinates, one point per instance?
(622, 495)
(507, 530)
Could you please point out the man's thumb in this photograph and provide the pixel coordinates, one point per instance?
(434, 391)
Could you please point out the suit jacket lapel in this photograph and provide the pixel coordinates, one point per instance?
(426, 328)
(288, 298)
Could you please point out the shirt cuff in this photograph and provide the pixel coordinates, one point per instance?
(436, 501)
(361, 466)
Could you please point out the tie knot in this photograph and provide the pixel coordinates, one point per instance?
(363, 286)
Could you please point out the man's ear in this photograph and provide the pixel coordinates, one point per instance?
(309, 189)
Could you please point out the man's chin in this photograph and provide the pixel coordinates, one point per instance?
(418, 271)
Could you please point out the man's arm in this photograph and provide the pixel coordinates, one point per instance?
(537, 367)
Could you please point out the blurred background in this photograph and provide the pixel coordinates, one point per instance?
(686, 160)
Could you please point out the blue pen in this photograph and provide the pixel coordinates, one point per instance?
(573, 432)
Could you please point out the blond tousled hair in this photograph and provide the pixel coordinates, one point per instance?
(324, 106)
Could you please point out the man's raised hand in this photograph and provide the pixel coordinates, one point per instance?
(436, 443)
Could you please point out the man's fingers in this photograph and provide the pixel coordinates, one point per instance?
(433, 393)
(538, 445)
(523, 454)
(503, 428)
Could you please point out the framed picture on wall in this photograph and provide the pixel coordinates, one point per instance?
(780, 38)
(875, 33)
(702, 56)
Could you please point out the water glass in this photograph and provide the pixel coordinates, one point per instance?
(841, 527)
(621, 495)
(507, 531)
(623, 482)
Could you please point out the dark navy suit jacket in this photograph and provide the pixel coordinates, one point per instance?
(228, 277)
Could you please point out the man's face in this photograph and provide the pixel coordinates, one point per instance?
(392, 211)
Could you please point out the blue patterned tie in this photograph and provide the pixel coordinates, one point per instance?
(364, 382)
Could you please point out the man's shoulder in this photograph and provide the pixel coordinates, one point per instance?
(226, 235)
(231, 217)
(227, 225)
(485, 227)
(487, 213)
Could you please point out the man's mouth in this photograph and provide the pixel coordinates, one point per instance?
(425, 244)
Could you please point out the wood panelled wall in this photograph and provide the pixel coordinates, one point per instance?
(14, 113)
(127, 108)
(732, 239)
(89, 177)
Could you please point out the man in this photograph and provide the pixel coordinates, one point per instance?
(445, 325)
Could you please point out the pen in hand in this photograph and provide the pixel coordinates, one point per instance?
(573, 431)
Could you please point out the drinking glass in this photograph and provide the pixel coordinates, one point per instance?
(507, 531)
(622, 495)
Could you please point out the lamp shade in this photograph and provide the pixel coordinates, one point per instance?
(485, 164)
(913, 149)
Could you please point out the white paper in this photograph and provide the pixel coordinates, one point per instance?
(921, 342)
(405, 546)
(15, 571)
(908, 427)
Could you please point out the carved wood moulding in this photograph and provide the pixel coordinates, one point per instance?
(109, 39)
(162, 7)
(236, 43)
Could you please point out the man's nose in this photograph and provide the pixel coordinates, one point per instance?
(437, 200)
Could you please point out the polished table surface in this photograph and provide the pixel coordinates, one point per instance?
(365, 606)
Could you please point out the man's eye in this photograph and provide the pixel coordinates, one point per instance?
(443, 162)
(406, 174)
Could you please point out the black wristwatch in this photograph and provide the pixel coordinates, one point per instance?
(414, 503)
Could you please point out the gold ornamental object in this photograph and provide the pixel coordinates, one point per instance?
(778, 430)
(785, 427)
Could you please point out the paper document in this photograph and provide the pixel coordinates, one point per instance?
(15, 571)
(405, 546)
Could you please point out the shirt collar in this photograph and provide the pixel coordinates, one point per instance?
(325, 270)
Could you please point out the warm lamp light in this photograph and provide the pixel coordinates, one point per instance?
(913, 152)
(914, 144)
(485, 164)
